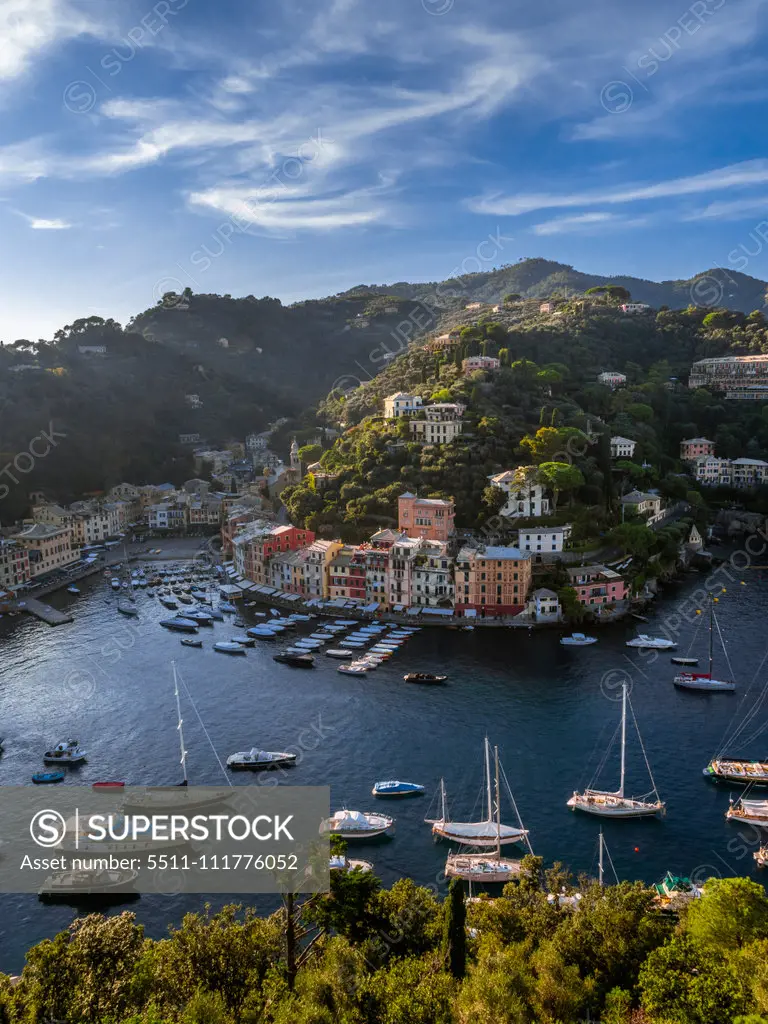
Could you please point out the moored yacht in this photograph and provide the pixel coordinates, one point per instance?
(744, 772)
(652, 643)
(578, 640)
(66, 752)
(751, 812)
(357, 824)
(255, 759)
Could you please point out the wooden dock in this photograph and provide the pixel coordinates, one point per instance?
(44, 612)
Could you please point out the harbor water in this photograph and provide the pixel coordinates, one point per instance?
(552, 711)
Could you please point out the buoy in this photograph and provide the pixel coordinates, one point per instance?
(698, 611)
(637, 849)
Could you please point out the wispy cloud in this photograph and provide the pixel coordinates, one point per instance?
(29, 27)
(41, 224)
(742, 175)
(734, 210)
(578, 222)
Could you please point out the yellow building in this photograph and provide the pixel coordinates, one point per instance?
(50, 547)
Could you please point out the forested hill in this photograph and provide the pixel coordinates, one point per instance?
(541, 279)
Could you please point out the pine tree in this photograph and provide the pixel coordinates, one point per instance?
(454, 930)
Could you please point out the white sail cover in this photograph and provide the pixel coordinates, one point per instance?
(756, 807)
(478, 833)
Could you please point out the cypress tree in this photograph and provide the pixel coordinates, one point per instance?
(454, 929)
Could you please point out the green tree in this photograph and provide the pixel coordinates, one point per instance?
(633, 539)
(733, 913)
(560, 477)
(454, 930)
(309, 453)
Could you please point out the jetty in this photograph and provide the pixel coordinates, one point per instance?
(44, 611)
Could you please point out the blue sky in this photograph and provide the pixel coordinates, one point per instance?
(296, 148)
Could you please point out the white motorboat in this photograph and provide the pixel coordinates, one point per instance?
(342, 863)
(651, 643)
(255, 759)
(229, 647)
(353, 669)
(261, 633)
(338, 652)
(617, 805)
(244, 641)
(577, 640)
(73, 589)
(115, 584)
(66, 752)
(323, 637)
(357, 824)
(67, 885)
(345, 622)
(310, 645)
(392, 788)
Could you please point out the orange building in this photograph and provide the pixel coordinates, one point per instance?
(425, 517)
(492, 581)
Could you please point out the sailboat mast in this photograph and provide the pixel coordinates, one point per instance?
(623, 736)
(711, 630)
(600, 860)
(443, 816)
(498, 804)
(488, 779)
(179, 726)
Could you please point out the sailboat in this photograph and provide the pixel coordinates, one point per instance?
(617, 805)
(487, 832)
(704, 680)
(489, 866)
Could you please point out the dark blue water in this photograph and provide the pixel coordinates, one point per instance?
(552, 711)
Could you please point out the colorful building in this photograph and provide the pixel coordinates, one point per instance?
(14, 565)
(401, 404)
(50, 547)
(315, 567)
(595, 585)
(432, 518)
(441, 424)
(472, 363)
(693, 447)
(347, 574)
(492, 581)
(432, 583)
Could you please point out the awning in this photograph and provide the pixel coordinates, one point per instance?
(292, 597)
(437, 611)
(228, 590)
(416, 610)
(399, 608)
(470, 613)
(372, 607)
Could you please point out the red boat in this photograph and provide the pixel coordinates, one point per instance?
(108, 785)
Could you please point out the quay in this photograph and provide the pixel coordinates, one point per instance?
(45, 612)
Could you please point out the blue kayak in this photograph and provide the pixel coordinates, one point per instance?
(41, 777)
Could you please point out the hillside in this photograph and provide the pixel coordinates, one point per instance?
(547, 380)
(540, 279)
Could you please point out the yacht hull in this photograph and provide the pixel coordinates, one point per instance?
(605, 807)
(481, 867)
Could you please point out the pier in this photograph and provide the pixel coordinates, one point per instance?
(44, 611)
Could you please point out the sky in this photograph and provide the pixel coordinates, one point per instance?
(295, 149)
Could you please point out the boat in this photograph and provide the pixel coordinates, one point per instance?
(578, 640)
(751, 812)
(343, 863)
(357, 824)
(180, 625)
(309, 645)
(345, 622)
(651, 643)
(225, 606)
(244, 641)
(262, 632)
(203, 618)
(322, 637)
(338, 652)
(674, 892)
(617, 805)
(744, 772)
(66, 752)
(227, 647)
(353, 669)
(255, 760)
(761, 856)
(189, 641)
(393, 788)
(306, 660)
(684, 661)
(704, 681)
(484, 833)
(73, 589)
(169, 603)
(100, 884)
(240, 623)
(115, 584)
(186, 599)
(40, 778)
(424, 677)
(108, 785)
(126, 609)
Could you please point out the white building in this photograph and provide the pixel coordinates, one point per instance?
(544, 606)
(612, 379)
(442, 424)
(635, 307)
(544, 540)
(523, 500)
(401, 404)
(749, 472)
(432, 581)
(711, 471)
(622, 448)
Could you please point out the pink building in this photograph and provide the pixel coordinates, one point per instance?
(694, 447)
(473, 363)
(595, 585)
(425, 517)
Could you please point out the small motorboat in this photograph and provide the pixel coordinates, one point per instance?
(228, 647)
(424, 677)
(216, 615)
(108, 785)
(100, 885)
(189, 641)
(684, 661)
(244, 641)
(345, 622)
(338, 652)
(225, 606)
(256, 760)
(652, 643)
(262, 632)
(578, 640)
(169, 603)
(393, 788)
(240, 623)
(274, 612)
(342, 863)
(73, 589)
(66, 752)
(115, 584)
(186, 599)
(203, 618)
(355, 668)
(310, 645)
(296, 660)
(180, 625)
(357, 824)
(40, 778)
(126, 609)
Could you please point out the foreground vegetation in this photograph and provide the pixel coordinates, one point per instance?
(366, 955)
